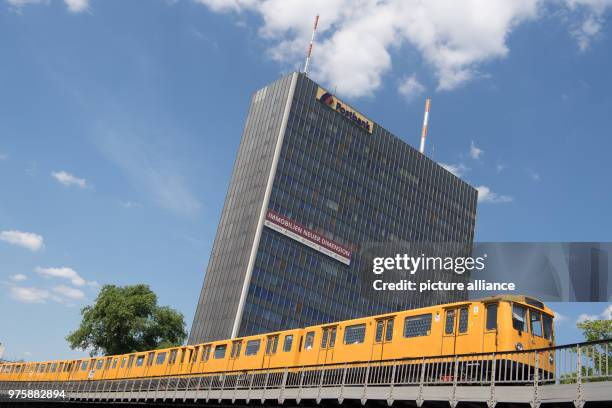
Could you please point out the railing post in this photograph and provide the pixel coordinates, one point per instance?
(492, 401)
(263, 394)
(281, 398)
(197, 390)
(419, 401)
(235, 388)
(224, 376)
(318, 399)
(392, 384)
(453, 401)
(364, 397)
(341, 396)
(248, 398)
(535, 403)
(298, 398)
(579, 401)
(210, 382)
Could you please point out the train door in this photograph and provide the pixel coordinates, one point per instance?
(328, 344)
(449, 334)
(489, 337)
(235, 355)
(271, 349)
(185, 359)
(382, 336)
(194, 368)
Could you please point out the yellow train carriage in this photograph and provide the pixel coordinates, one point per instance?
(505, 325)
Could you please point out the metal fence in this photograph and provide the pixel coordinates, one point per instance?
(569, 364)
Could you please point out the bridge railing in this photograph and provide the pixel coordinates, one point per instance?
(568, 364)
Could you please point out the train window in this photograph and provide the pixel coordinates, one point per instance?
(309, 340)
(519, 313)
(139, 361)
(99, 365)
(288, 343)
(84, 366)
(150, 357)
(184, 352)
(53, 367)
(463, 319)
(332, 337)
(252, 347)
(548, 327)
(206, 353)
(354, 334)
(534, 302)
(380, 325)
(108, 363)
(115, 363)
(236, 346)
(220, 351)
(161, 357)
(389, 331)
(324, 338)
(172, 358)
(492, 316)
(123, 362)
(416, 326)
(196, 353)
(272, 345)
(130, 361)
(536, 323)
(449, 328)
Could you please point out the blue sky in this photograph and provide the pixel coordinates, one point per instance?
(120, 121)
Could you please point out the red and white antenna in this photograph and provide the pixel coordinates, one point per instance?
(425, 121)
(312, 39)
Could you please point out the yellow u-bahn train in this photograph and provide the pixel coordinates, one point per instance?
(496, 324)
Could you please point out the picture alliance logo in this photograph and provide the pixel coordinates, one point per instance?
(411, 264)
(329, 100)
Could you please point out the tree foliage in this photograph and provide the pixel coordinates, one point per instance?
(127, 319)
(596, 329)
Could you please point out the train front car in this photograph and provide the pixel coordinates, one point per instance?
(524, 338)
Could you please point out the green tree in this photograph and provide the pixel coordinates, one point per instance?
(596, 329)
(127, 319)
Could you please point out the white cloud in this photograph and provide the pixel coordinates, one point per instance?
(75, 6)
(65, 273)
(606, 314)
(475, 152)
(19, 277)
(358, 39)
(30, 294)
(559, 318)
(68, 179)
(68, 292)
(457, 169)
(27, 353)
(28, 240)
(485, 195)
(410, 87)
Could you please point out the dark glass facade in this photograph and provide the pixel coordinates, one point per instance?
(318, 168)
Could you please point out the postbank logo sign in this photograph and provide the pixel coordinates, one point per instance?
(336, 104)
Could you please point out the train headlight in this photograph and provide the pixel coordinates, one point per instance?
(519, 346)
(551, 359)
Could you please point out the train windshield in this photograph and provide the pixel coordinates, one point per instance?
(518, 317)
(548, 327)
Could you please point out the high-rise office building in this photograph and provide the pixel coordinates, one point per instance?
(314, 182)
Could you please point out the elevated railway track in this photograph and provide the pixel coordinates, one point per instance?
(581, 375)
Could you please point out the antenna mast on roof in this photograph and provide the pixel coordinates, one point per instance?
(312, 39)
(425, 121)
